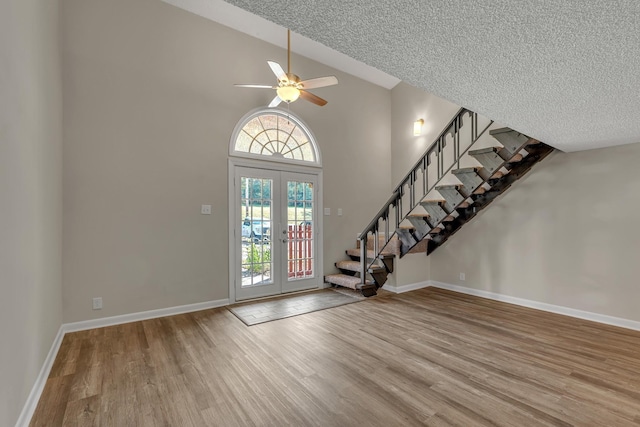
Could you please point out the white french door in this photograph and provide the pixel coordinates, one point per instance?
(276, 233)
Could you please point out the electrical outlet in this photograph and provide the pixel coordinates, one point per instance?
(97, 303)
(462, 277)
(205, 210)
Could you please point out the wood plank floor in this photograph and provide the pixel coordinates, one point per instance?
(428, 357)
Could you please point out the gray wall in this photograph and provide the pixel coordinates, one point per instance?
(564, 235)
(30, 195)
(149, 107)
(409, 104)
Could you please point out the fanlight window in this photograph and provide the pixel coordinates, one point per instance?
(276, 135)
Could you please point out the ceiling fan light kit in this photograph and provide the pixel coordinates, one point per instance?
(289, 87)
(288, 93)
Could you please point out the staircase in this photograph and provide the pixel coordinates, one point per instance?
(455, 179)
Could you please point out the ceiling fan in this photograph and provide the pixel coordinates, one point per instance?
(290, 87)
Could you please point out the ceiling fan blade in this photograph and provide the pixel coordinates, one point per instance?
(276, 101)
(312, 98)
(256, 86)
(278, 71)
(319, 82)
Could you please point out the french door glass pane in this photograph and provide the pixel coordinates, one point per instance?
(300, 230)
(256, 203)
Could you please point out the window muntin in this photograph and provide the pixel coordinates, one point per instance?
(276, 135)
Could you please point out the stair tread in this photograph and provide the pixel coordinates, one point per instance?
(466, 170)
(530, 141)
(355, 252)
(418, 215)
(355, 266)
(432, 201)
(448, 187)
(344, 280)
(484, 150)
(501, 130)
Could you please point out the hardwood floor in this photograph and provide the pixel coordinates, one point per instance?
(428, 357)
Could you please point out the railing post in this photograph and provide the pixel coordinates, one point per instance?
(386, 226)
(376, 246)
(363, 258)
(439, 156)
(456, 143)
(412, 189)
(474, 126)
(425, 176)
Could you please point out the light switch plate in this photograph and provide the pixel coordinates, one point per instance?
(327, 211)
(205, 210)
(339, 211)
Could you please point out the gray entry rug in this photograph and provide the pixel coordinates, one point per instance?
(274, 309)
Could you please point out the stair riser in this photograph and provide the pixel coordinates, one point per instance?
(407, 240)
(379, 278)
(470, 180)
(421, 226)
(348, 272)
(490, 161)
(453, 198)
(436, 213)
(511, 140)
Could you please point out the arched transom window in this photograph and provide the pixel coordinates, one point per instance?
(275, 134)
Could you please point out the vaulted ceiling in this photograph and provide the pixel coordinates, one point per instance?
(565, 72)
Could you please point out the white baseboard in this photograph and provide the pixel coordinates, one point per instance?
(34, 396)
(36, 391)
(406, 288)
(567, 311)
(143, 315)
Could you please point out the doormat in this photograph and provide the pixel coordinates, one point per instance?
(275, 309)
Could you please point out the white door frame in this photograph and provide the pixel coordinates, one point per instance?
(277, 166)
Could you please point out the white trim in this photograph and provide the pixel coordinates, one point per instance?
(143, 315)
(36, 391)
(558, 309)
(406, 288)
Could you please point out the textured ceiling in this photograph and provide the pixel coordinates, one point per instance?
(566, 72)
